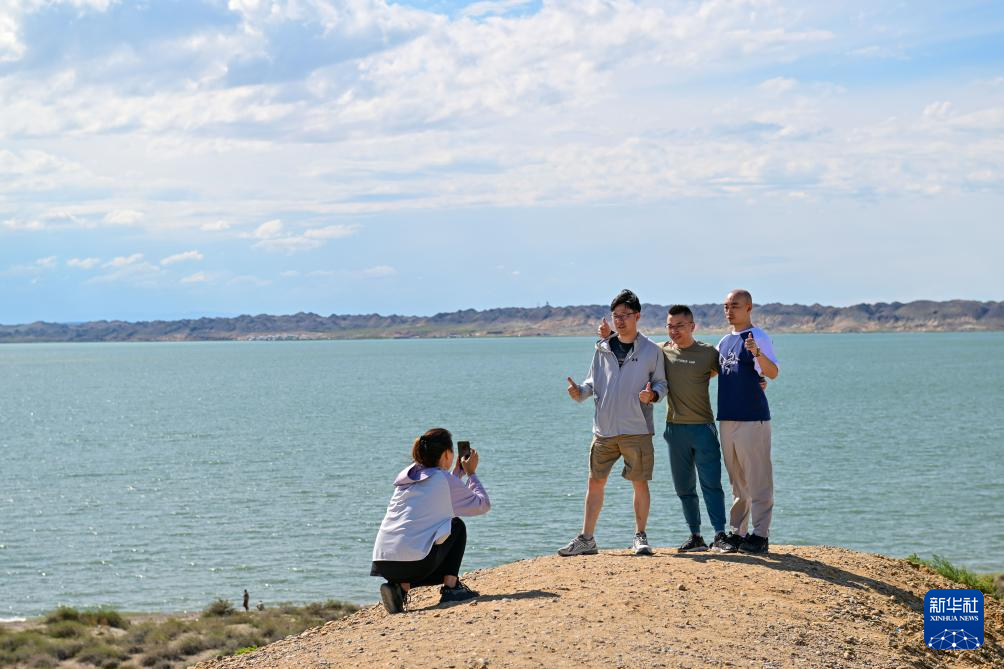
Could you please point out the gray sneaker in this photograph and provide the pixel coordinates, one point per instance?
(579, 546)
(640, 545)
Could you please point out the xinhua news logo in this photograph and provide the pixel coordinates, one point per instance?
(953, 619)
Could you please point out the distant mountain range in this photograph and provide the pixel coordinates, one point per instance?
(920, 316)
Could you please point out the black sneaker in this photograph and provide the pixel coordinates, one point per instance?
(754, 544)
(726, 543)
(393, 597)
(458, 593)
(693, 544)
(720, 544)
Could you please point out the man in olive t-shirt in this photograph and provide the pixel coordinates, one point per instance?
(690, 428)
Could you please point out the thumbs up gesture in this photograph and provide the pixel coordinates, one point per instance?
(573, 389)
(647, 396)
(604, 329)
(751, 346)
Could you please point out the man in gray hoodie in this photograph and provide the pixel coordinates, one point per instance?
(626, 377)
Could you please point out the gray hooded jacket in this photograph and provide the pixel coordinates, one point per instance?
(615, 389)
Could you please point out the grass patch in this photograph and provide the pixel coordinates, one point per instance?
(982, 582)
(83, 638)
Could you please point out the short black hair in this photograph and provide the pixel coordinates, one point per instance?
(681, 309)
(628, 299)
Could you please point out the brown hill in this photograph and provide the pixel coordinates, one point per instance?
(805, 606)
(951, 316)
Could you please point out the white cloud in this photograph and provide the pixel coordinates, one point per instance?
(501, 104)
(778, 85)
(937, 110)
(379, 271)
(122, 261)
(332, 232)
(268, 229)
(216, 226)
(48, 262)
(187, 256)
(83, 263)
(288, 245)
(137, 272)
(249, 279)
(123, 217)
(197, 277)
(14, 224)
(273, 236)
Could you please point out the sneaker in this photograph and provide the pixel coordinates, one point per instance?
(754, 544)
(726, 543)
(640, 544)
(458, 593)
(693, 544)
(579, 546)
(722, 545)
(393, 596)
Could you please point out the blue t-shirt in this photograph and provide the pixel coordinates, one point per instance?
(740, 396)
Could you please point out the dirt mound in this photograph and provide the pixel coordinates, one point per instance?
(800, 606)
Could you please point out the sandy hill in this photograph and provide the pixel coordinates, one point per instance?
(800, 607)
(917, 316)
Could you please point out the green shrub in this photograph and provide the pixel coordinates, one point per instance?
(982, 582)
(63, 613)
(64, 650)
(219, 608)
(190, 644)
(160, 654)
(29, 648)
(246, 649)
(100, 653)
(65, 629)
(105, 616)
(101, 616)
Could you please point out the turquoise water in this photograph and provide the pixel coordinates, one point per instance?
(157, 477)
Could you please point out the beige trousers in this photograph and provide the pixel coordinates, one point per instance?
(746, 452)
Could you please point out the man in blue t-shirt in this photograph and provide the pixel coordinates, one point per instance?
(744, 356)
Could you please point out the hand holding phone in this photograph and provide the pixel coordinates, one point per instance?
(467, 457)
(463, 451)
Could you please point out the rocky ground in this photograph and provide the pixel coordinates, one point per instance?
(800, 606)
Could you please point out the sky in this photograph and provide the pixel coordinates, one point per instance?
(165, 159)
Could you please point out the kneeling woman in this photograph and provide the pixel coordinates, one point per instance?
(421, 541)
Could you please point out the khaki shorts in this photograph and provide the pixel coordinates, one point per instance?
(639, 456)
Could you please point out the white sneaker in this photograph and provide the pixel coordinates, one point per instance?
(640, 545)
(579, 546)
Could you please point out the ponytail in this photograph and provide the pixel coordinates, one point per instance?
(429, 448)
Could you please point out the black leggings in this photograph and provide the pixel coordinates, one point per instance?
(443, 560)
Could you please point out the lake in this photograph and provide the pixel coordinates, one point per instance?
(157, 477)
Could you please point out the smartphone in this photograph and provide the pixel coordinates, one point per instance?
(463, 449)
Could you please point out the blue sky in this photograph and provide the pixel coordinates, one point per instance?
(169, 159)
